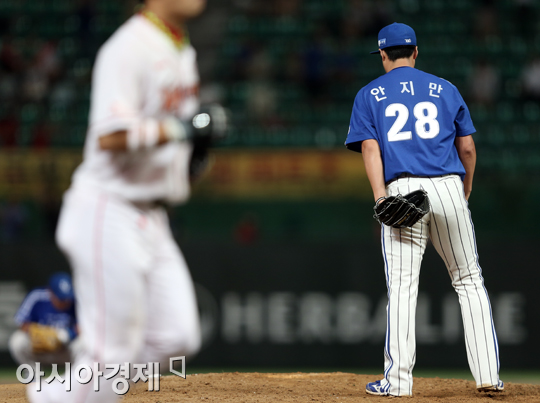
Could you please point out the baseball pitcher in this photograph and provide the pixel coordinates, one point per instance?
(414, 131)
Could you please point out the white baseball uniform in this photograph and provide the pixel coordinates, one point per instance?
(135, 297)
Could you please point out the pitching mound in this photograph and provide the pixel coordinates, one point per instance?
(299, 387)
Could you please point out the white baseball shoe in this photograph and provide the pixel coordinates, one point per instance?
(378, 388)
(492, 388)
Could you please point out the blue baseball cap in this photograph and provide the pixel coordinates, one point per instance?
(61, 286)
(396, 34)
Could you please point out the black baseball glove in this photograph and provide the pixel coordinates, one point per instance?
(402, 211)
(207, 127)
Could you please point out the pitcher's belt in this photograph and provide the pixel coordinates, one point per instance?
(414, 176)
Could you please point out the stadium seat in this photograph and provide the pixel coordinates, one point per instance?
(531, 111)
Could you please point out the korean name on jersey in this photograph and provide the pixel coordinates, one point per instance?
(413, 116)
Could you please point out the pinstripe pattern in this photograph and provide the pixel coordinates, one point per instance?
(466, 302)
(438, 245)
(449, 226)
(483, 323)
(387, 358)
(487, 315)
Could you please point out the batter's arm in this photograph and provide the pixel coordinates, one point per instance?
(117, 141)
(467, 154)
(374, 167)
(208, 125)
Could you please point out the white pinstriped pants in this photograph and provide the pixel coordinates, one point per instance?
(450, 228)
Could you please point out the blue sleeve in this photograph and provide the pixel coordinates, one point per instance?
(362, 126)
(463, 121)
(25, 312)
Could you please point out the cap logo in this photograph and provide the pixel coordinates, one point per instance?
(395, 34)
(64, 286)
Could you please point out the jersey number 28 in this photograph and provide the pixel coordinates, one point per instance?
(426, 125)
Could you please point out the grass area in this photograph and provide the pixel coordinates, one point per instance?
(7, 375)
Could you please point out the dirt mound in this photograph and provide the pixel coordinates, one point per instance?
(299, 387)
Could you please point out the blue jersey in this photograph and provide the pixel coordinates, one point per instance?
(415, 117)
(38, 308)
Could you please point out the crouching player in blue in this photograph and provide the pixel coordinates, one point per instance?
(47, 324)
